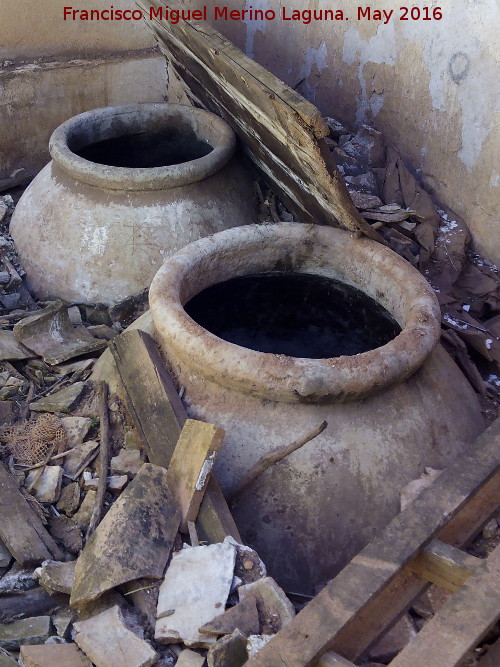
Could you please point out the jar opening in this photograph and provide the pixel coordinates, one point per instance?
(145, 149)
(296, 314)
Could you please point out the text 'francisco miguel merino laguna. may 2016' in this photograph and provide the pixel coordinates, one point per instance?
(224, 13)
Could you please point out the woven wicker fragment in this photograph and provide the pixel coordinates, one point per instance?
(30, 442)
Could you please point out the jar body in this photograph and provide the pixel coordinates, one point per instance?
(308, 515)
(391, 411)
(84, 243)
(94, 231)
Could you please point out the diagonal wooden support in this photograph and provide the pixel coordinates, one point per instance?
(370, 593)
(281, 132)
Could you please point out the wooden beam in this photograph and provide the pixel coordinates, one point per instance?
(370, 593)
(281, 132)
(444, 565)
(159, 415)
(21, 529)
(460, 624)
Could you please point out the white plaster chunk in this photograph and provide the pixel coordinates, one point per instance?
(48, 487)
(194, 592)
(256, 642)
(107, 641)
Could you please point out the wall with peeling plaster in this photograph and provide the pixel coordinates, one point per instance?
(430, 86)
(51, 69)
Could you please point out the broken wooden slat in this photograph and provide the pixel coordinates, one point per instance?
(460, 624)
(20, 527)
(159, 416)
(444, 566)
(349, 614)
(151, 396)
(280, 130)
(191, 465)
(133, 540)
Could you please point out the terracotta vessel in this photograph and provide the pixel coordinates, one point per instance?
(127, 186)
(391, 411)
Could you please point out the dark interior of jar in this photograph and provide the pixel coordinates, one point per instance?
(296, 314)
(145, 148)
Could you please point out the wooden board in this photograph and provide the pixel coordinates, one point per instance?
(282, 133)
(152, 398)
(351, 612)
(460, 624)
(158, 415)
(20, 527)
(191, 466)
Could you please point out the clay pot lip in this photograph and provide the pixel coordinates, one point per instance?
(293, 379)
(210, 127)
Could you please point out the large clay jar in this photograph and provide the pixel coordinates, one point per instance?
(126, 187)
(391, 411)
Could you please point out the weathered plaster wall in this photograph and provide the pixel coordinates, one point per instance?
(51, 69)
(430, 86)
(33, 29)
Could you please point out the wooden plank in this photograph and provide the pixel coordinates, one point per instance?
(460, 624)
(158, 415)
(349, 614)
(191, 466)
(21, 530)
(151, 396)
(280, 130)
(444, 565)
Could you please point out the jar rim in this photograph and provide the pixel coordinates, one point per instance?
(363, 263)
(97, 124)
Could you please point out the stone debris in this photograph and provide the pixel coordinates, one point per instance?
(190, 658)
(57, 577)
(50, 334)
(128, 462)
(5, 555)
(194, 591)
(79, 459)
(11, 349)
(230, 651)
(114, 484)
(275, 609)
(105, 636)
(76, 429)
(69, 500)
(53, 655)
(45, 487)
(84, 514)
(243, 617)
(6, 660)
(67, 532)
(61, 401)
(62, 621)
(26, 631)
